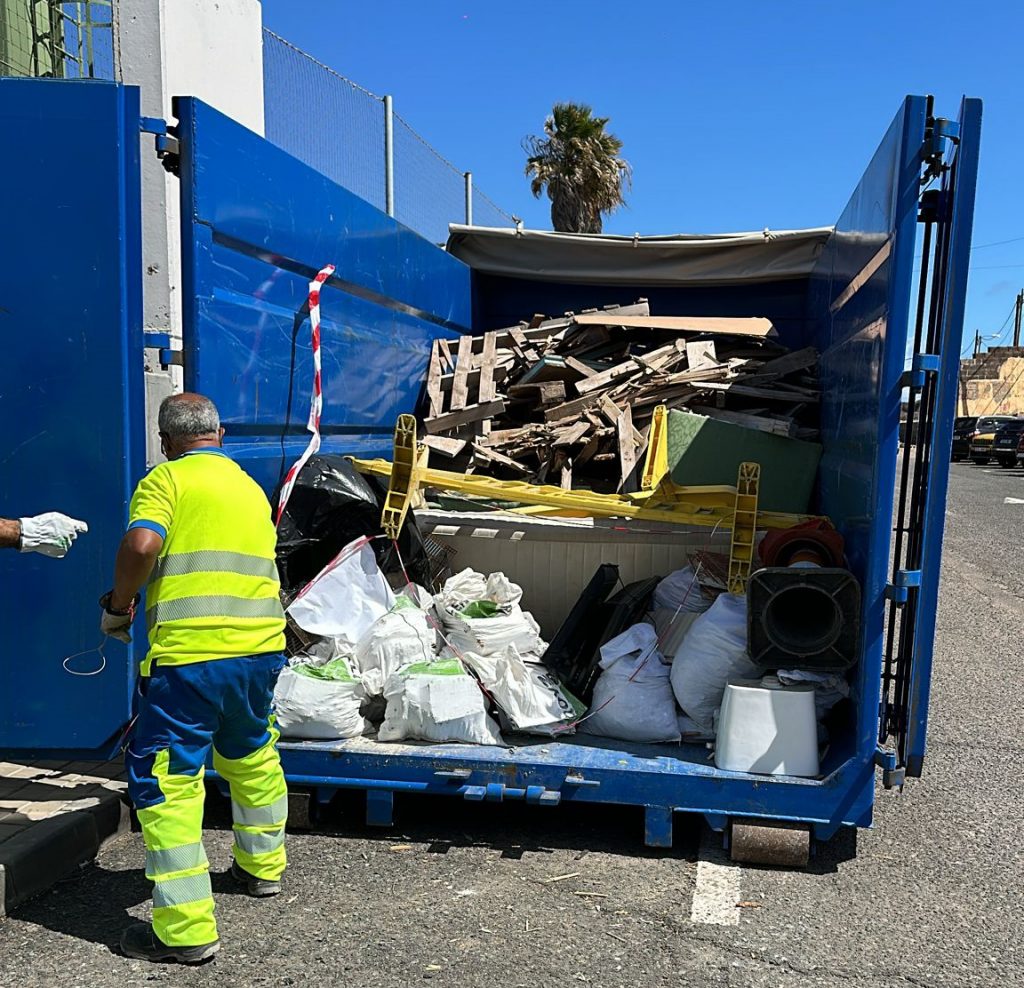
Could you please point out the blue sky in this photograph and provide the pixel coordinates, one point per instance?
(735, 115)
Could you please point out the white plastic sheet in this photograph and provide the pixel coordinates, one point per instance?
(346, 597)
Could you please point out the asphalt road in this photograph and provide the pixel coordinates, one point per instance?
(462, 894)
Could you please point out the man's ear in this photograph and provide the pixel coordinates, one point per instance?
(220, 436)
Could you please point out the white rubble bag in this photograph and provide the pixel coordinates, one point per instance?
(398, 638)
(524, 701)
(345, 597)
(713, 652)
(482, 614)
(319, 702)
(681, 591)
(633, 697)
(436, 701)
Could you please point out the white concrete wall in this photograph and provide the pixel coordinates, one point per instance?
(211, 49)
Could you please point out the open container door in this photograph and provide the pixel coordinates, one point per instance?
(257, 225)
(71, 402)
(946, 213)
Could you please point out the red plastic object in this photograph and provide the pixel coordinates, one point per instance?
(810, 541)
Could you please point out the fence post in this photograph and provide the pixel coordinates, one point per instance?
(389, 157)
(469, 198)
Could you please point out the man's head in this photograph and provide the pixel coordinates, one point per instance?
(188, 421)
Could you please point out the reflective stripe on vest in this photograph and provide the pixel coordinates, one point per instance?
(213, 606)
(213, 561)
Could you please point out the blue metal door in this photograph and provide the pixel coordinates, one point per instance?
(949, 178)
(71, 399)
(257, 224)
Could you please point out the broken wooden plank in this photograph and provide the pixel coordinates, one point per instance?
(493, 456)
(490, 357)
(544, 393)
(434, 380)
(520, 342)
(499, 374)
(445, 445)
(568, 409)
(787, 364)
(581, 368)
(664, 357)
(776, 427)
(610, 376)
(713, 325)
(460, 385)
(744, 391)
(462, 416)
(627, 446)
(567, 477)
(446, 354)
(700, 354)
(573, 434)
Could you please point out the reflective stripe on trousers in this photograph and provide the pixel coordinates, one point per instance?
(175, 859)
(259, 809)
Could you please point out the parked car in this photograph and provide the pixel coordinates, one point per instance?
(963, 430)
(984, 435)
(1007, 442)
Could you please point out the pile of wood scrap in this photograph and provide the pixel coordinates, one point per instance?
(568, 401)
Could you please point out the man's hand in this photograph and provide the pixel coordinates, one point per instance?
(117, 623)
(50, 534)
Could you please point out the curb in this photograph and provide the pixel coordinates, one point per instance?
(34, 861)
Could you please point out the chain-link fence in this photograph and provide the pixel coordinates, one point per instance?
(46, 38)
(341, 130)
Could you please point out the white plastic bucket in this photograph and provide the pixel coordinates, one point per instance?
(767, 729)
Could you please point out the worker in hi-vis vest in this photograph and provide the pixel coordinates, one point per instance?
(200, 532)
(50, 534)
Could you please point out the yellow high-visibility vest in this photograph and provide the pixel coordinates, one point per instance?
(214, 591)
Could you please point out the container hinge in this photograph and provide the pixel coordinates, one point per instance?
(897, 591)
(939, 131)
(572, 779)
(922, 365)
(893, 774)
(168, 356)
(166, 143)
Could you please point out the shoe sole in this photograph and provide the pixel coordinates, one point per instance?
(173, 956)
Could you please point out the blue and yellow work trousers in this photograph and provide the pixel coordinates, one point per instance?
(226, 705)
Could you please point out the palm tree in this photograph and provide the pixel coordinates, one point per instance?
(578, 162)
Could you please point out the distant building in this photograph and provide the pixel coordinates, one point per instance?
(992, 383)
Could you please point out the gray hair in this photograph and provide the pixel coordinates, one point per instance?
(188, 416)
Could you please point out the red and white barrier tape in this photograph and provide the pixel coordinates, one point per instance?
(317, 400)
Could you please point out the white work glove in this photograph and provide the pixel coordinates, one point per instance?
(50, 534)
(117, 624)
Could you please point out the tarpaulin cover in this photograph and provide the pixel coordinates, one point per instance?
(679, 259)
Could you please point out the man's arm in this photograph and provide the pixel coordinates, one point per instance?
(50, 534)
(10, 533)
(135, 558)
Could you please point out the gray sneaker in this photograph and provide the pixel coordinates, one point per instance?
(258, 888)
(139, 941)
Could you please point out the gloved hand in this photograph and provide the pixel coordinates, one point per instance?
(117, 624)
(50, 534)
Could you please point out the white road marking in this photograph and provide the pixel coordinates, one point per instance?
(718, 885)
(1013, 500)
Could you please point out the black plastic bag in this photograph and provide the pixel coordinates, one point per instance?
(331, 505)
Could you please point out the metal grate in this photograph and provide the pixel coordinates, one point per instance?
(337, 127)
(51, 39)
